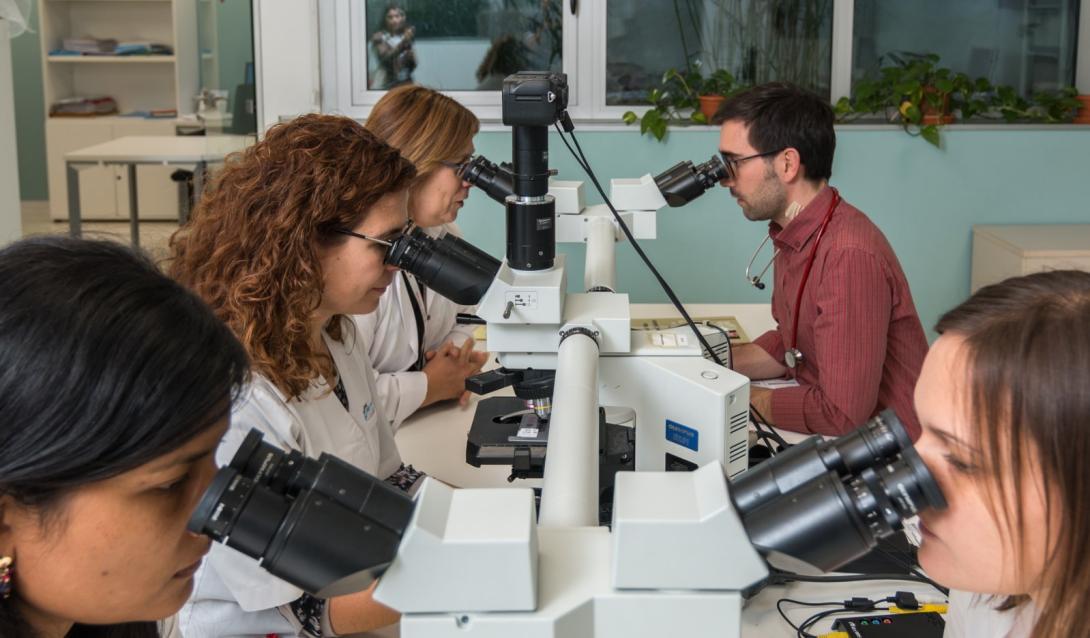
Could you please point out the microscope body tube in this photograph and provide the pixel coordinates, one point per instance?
(601, 265)
(569, 492)
(531, 211)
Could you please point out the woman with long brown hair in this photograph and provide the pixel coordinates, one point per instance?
(421, 353)
(287, 244)
(1004, 400)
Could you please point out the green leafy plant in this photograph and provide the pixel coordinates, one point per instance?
(922, 96)
(677, 99)
(914, 91)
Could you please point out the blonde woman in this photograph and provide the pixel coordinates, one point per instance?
(421, 354)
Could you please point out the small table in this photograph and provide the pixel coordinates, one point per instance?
(153, 149)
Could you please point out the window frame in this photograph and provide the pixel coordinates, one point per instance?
(584, 55)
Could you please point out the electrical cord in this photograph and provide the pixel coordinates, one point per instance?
(912, 570)
(798, 628)
(759, 421)
(581, 160)
(900, 602)
(780, 577)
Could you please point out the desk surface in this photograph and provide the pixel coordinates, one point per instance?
(161, 149)
(434, 440)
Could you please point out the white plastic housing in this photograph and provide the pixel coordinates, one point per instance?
(465, 550)
(679, 530)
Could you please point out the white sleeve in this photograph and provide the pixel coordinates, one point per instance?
(459, 332)
(251, 587)
(970, 614)
(400, 393)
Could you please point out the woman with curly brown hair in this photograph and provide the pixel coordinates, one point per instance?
(289, 241)
(421, 354)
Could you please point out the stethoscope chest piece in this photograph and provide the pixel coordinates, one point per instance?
(792, 357)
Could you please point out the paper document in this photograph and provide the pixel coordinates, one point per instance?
(773, 384)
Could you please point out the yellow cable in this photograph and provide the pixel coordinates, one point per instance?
(936, 607)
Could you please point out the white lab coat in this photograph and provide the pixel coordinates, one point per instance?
(971, 615)
(232, 594)
(390, 337)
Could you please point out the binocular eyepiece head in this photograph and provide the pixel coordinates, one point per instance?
(683, 182)
(449, 265)
(821, 504)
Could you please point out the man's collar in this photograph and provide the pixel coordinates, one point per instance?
(805, 224)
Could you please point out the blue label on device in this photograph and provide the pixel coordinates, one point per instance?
(683, 435)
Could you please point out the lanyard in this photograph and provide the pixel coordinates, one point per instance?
(792, 356)
(418, 314)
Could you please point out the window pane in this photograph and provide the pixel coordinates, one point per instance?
(1027, 44)
(757, 41)
(460, 45)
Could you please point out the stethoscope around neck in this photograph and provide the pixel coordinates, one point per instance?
(792, 356)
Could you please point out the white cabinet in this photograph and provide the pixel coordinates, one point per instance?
(1000, 252)
(137, 83)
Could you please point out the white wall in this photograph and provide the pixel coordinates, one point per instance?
(286, 59)
(11, 226)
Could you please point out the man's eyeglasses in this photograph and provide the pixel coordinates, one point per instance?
(731, 163)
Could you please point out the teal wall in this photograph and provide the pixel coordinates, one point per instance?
(925, 201)
(26, 63)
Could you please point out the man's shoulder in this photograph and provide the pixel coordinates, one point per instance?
(855, 230)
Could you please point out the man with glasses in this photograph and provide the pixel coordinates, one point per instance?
(847, 329)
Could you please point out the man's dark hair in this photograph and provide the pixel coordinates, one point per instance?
(781, 115)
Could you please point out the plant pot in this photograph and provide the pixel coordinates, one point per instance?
(709, 104)
(1083, 114)
(932, 115)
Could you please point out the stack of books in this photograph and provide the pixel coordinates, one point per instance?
(83, 107)
(98, 46)
(89, 46)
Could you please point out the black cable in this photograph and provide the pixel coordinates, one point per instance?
(853, 605)
(759, 420)
(783, 614)
(912, 570)
(584, 164)
(779, 577)
(730, 346)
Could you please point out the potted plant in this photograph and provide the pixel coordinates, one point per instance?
(913, 91)
(713, 90)
(1083, 115)
(922, 96)
(682, 98)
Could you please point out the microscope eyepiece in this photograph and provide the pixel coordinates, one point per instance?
(321, 524)
(832, 520)
(495, 180)
(684, 182)
(449, 265)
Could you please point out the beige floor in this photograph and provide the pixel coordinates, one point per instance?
(154, 235)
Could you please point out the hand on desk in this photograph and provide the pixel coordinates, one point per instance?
(447, 369)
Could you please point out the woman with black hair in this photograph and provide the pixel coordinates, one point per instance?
(115, 388)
